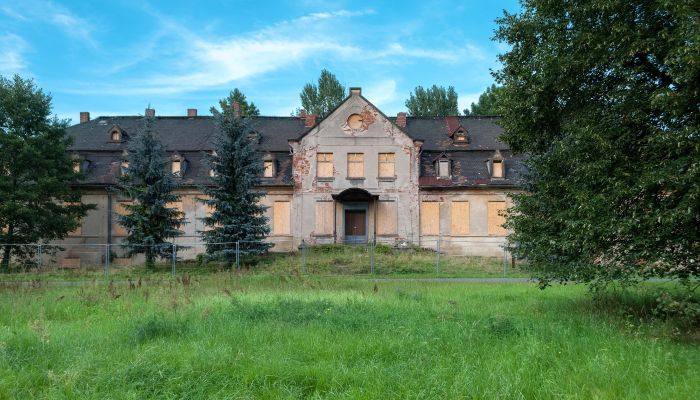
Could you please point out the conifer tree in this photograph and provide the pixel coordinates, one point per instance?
(37, 202)
(150, 223)
(247, 109)
(237, 215)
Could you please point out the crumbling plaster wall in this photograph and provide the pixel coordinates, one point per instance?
(377, 134)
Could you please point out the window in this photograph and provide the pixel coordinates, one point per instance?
(268, 169)
(124, 167)
(387, 165)
(460, 218)
(356, 165)
(212, 173)
(324, 165)
(324, 218)
(497, 171)
(460, 137)
(176, 167)
(121, 208)
(281, 218)
(76, 166)
(386, 218)
(430, 218)
(443, 168)
(496, 218)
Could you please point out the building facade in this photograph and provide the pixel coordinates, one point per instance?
(354, 176)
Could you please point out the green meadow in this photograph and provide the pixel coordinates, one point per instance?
(255, 336)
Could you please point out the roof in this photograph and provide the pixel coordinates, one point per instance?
(193, 137)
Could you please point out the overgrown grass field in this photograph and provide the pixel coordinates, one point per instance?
(228, 335)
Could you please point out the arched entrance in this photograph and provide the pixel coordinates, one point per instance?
(355, 217)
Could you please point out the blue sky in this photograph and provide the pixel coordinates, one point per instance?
(116, 57)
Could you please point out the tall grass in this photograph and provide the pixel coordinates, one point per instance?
(230, 336)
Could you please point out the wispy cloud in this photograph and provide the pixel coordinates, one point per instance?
(12, 49)
(53, 14)
(190, 60)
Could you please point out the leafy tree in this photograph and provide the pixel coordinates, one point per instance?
(488, 102)
(37, 203)
(151, 224)
(321, 99)
(432, 102)
(603, 96)
(246, 109)
(237, 214)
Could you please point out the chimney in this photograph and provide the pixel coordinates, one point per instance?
(310, 120)
(236, 109)
(401, 119)
(355, 91)
(191, 113)
(150, 112)
(84, 117)
(302, 114)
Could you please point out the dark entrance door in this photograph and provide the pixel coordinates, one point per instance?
(355, 225)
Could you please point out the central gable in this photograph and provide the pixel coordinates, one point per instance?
(354, 120)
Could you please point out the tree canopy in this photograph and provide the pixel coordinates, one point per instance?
(488, 102)
(37, 203)
(604, 98)
(320, 99)
(151, 220)
(246, 109)
(432, 102)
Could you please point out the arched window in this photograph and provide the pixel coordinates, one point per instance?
(497, 167)
(443, 167)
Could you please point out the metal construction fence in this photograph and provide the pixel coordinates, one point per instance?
(461, 257)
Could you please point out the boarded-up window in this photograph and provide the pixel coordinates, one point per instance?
(444, 168)
(268, 170)
(387, 165)
(176, 167)
(356, 165)
(386, 218)
(498, 169)
(430, 218)
(496, 218)
(460, 218)
(324, 165)
(177, 205)
(120, 209)
(281, 218)
(324, 218)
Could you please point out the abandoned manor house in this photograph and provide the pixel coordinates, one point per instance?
(355, 176)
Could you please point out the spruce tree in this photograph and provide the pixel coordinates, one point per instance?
(37, 202)
(247, 109)
(150, 223)
(237, 214)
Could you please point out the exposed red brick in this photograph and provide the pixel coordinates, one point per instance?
(191, 113)
(401, 119)
(310, 120)
(84, 117)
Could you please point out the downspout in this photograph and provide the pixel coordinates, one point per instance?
(109, 215)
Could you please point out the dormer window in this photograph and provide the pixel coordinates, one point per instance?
(116, 134)
(178, 165)
(124, 168)
(497, 166)
(80, 165)
(268, 168)
(460, 137)
(444, 168)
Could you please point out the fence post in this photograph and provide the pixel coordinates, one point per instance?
(371, 256)
(238, 254)
(174, 258)
(39, 257)
(303, 256)
(437, 258)
(108, 256)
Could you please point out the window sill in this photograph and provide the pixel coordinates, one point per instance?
(386, 178)
(324, 235)
(358, 178)
(325, 178)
